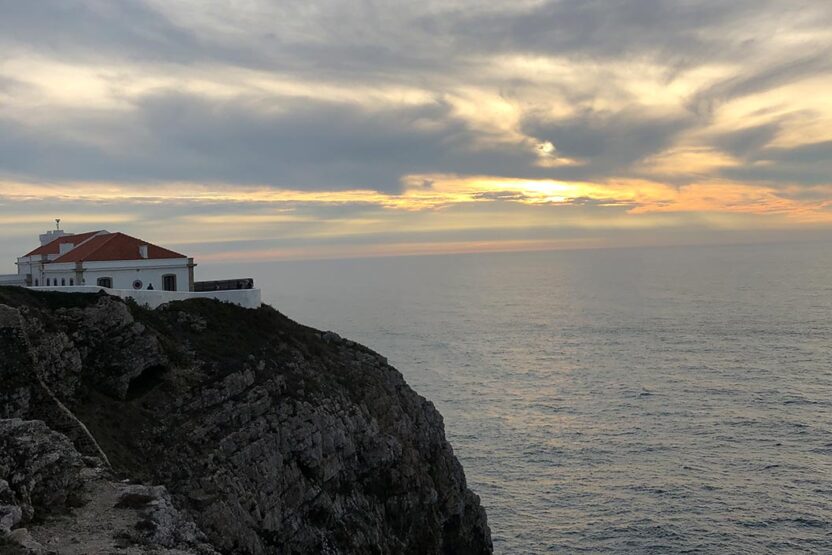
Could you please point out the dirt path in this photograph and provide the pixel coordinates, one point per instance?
(95, 527)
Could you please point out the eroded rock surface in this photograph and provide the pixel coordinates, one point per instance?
(39, 471)
(268, 437)
(54, 500)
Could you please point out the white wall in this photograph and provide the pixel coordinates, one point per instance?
(56, 277)
(56, 272)
(12, 279)
(123, 273)
(247, 298)
(24, 266)
(123, 279)
(31, 265)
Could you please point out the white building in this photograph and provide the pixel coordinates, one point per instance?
(104, 259)
(123, 266)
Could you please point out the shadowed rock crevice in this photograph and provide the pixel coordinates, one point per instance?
(145, 382)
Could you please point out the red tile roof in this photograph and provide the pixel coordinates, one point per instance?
(53, 247)
(115, 246)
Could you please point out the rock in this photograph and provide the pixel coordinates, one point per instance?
(15, 366)
(10, 516)
(23, 539)
(330, 337)
(44, 473)
(40, 467)
(136, 497)
(264, 436)
(118, 349)
(161, 524)
(6, 493)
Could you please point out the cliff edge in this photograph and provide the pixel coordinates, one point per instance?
(202, 427)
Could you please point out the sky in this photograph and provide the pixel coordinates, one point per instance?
(238, 130)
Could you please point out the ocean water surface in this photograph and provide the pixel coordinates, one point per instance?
(657, 400)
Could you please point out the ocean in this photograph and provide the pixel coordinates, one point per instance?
(655, 400)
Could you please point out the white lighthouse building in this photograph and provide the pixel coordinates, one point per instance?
(121, 265)
(104, 259)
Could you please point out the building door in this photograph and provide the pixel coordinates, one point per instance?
(169, 282)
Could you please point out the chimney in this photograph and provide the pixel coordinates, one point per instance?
(51, 235)
(64, 248)
(143, 251)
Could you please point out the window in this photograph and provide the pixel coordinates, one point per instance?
(36, 283)
(63, 282)
(169, 282)
(48, 282)
(105, 282)
(71, 281)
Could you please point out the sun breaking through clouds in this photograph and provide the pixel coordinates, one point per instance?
(296, 128)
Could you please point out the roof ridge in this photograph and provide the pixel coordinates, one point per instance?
(93, 235)
(107, 238)
(65, 239)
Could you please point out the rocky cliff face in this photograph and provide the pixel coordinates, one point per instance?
(266, 436)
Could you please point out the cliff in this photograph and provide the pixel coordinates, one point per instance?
(226, 430)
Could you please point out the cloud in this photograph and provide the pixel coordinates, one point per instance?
(321, 95)
(601, 27)
(608, 142)
(97, 29)
(363, 117)
(281, 141)
(806, 165)
(782, 72)
(748, 142)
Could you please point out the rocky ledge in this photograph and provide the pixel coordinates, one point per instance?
(202, 427)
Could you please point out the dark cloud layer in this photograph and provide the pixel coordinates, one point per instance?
(287, 142)
(807, 165)
(101, 30)
(607, 28)
(608, 142)
(747, 143)
(309, 143)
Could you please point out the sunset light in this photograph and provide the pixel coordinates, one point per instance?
(503, 133)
